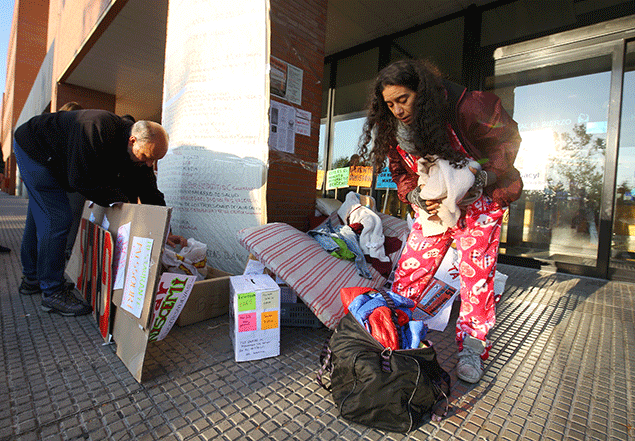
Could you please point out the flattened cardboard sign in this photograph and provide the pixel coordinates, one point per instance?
(130, 330)
(172, 294)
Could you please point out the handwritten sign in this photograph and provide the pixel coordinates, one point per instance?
(137, 277)
(360, 176)
(269, 320)
(384, 180)
(337, 178)
(247, 322)
(270, 299)
(319, 180)
(121, 251)
(246, 301)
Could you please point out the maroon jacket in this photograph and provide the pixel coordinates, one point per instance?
(486, 132)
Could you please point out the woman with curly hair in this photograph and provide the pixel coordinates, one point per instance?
(415, 115)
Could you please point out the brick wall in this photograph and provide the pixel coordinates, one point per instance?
(26, 50)
(297, 38)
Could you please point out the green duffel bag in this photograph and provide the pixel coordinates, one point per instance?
(378, 387)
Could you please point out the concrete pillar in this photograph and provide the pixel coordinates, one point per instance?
(220, 174)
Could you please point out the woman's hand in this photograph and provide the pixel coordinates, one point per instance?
(432, 206)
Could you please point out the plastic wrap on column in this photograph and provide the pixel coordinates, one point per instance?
(215, 103)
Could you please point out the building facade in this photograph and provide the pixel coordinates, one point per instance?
(295, 77)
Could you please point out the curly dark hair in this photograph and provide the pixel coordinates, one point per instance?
(430, 118)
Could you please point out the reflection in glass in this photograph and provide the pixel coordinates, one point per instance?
(562, 114)
(346, 135)
(623, 246)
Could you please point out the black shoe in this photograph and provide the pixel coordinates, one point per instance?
(65, 303)
(29, 288)
(4, 249)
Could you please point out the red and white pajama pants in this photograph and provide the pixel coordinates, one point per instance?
(477, 236)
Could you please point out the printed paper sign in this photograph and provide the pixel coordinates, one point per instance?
(302, 122)
(435, 307)
(134, 290)
(172, 294)
(286, 81)
(121, 251)
(435, 296)
(282, 129)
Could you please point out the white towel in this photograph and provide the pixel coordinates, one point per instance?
(442, 181)
(371, 240)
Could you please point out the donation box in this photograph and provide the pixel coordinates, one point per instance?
(254, 316)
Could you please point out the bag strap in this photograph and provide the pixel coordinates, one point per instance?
(327, 365)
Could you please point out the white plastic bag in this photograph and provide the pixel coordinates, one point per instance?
(190, 260)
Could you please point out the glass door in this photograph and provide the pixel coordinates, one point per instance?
(572, 96)
(623, 233)
(562, 113)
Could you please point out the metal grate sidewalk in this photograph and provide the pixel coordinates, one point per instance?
(562, 367)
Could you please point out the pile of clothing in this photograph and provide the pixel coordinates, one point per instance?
(360, 238)
(395, 330)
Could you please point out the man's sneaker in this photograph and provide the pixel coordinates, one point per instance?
(470, 366)
(65, 303)
(29, 288)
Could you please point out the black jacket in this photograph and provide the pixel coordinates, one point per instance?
(87, 152)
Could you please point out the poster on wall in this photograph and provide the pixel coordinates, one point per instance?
(286, 81)
(214, 173)
(302, 122)
(282, 125)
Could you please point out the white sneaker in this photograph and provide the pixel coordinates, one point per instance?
(470, 365)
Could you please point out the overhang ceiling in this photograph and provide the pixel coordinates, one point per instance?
(127, 59)
(352, 22)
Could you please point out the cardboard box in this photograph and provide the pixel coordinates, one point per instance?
(209, 298)
(254, 317)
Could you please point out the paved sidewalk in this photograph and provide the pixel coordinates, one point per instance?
(562, 367)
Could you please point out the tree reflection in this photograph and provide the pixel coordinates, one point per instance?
(579, 165)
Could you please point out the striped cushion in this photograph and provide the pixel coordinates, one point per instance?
(313, 273)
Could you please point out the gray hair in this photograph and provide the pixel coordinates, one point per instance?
(147, 131)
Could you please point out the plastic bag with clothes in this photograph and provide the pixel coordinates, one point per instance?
(190, 260)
